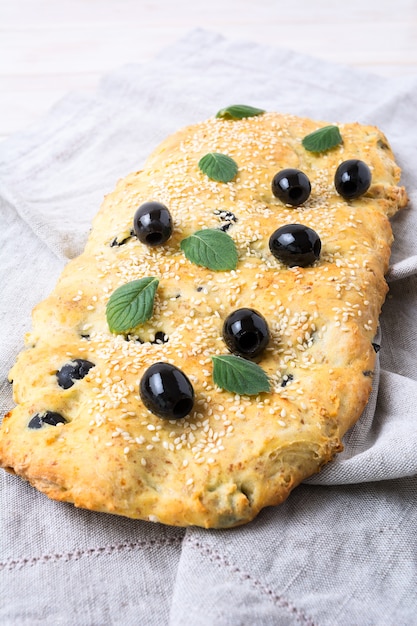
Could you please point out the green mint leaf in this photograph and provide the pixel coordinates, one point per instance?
(219, 167)
(238, 112)
(235, 374)
(322, 139)
(131, 304)
(211, 248)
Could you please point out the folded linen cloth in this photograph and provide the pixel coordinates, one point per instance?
(342, 548)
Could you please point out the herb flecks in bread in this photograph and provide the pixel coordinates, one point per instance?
(160, 408)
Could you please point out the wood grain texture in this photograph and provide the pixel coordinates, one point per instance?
(48, 48)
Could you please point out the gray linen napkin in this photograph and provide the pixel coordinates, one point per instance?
(341, 550)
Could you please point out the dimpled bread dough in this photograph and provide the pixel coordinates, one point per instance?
(234, 454)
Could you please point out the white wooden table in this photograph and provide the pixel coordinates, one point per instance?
(50, 47)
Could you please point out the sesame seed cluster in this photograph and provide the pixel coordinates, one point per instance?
(233, 454)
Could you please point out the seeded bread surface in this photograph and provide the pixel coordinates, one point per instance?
(234, 454)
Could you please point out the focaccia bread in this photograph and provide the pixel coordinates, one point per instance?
(272, 345)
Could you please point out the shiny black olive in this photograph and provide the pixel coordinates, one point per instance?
(152, 223)
(166, 391)
(352, 179)
(295, 244)
(291, 186)
(246, 332)
(47, 417)
(72, 371)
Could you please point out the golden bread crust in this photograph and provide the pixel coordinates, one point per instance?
(233, 455)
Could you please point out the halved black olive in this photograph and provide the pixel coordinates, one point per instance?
(72, 371)
(47, 417)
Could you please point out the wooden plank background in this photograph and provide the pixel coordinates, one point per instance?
(50, 47)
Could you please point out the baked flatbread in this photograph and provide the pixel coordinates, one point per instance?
(91, 427)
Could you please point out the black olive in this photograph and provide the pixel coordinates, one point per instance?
(227, 217)
(166, 391)
(152, 223)
(120, 242)
(246, 332)
(287, 378)
(160, 337)
(291, 186)
(295, 244)
(352, 179)
(72, 371)
(47, 417)
(133, 338)
(382, 144)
